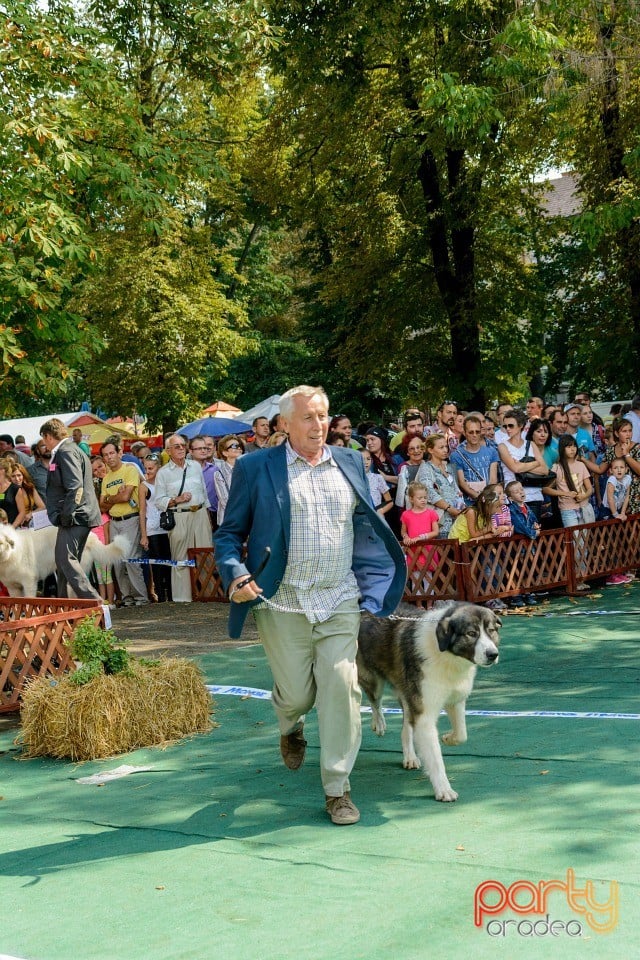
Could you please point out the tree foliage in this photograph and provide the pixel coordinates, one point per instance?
(414, 143)
(212, 201)
(594, 267)
(165, 320)
(44, 243)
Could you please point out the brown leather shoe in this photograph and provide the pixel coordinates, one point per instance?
(342, 810)
(292, 748)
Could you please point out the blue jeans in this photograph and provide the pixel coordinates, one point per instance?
(578, 515)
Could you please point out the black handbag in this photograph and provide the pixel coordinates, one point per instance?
(167, 520)
(534, 479)
(167, 517)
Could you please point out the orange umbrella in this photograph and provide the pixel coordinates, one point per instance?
(220, 408)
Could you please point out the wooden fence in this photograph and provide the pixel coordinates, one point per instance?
(33, 632)
(481, 570)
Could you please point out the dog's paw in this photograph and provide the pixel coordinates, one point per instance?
(411, 762)
(446, 794)
(449, 738)
(378, 725)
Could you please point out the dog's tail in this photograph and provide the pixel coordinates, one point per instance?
(107, 554)
(118, 548)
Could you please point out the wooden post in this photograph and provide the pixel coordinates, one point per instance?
(570, 549)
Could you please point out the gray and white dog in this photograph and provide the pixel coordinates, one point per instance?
(431, 663)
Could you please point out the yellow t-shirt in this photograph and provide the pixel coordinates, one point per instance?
(460, 528)
(127, 475)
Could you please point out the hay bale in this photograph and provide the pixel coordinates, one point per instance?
(114, 713)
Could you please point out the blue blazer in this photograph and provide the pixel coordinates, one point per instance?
(259, 509)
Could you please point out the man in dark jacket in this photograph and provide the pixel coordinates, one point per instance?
(71, 506)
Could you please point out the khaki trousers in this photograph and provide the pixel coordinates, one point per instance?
(130, 576)
(192, 529)
(315, 663)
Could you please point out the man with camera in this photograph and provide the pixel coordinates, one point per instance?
(180, 489)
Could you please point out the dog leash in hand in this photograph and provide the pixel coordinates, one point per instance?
(323, 614)
(256, 573)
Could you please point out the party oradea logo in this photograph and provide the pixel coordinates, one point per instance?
(594, 908)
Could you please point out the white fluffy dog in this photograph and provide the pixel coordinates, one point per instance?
(27, 556)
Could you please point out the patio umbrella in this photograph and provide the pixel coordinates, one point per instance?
(213, 427)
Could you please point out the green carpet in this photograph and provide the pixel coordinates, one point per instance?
(219, 851)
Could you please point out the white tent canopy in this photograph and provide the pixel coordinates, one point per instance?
(266, 408)
(29, 427)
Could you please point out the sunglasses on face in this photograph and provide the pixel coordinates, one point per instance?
(233, 446)
(510, 426)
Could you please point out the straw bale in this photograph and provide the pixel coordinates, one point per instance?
(114, 713)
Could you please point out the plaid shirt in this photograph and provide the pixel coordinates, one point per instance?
(448, 434)
(318, 576)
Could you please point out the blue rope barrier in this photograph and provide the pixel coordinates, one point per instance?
(162, 563)
(255, 693)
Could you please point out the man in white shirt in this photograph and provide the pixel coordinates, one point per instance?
(180, 487)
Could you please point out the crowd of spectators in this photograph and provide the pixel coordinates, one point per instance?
(467, 475)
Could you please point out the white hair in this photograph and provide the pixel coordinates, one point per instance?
(287, 399)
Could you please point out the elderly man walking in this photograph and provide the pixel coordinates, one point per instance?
(180, 487)
(330, 555)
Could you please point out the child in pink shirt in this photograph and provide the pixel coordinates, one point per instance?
(419, 525)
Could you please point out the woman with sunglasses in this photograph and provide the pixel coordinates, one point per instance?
(513, 452)
(230, 448)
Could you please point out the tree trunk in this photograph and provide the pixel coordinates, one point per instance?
(452, 243)
(628, 241)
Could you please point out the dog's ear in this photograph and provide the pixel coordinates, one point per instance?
(443, 634)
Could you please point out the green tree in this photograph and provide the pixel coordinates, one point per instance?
(179, 212)
(121, 129)
(164, 322)
(44, 243)
(415, 131)
(594, 269)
